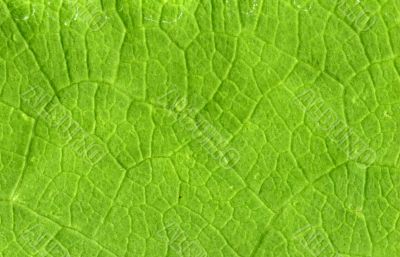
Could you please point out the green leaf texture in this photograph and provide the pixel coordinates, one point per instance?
(243, 128)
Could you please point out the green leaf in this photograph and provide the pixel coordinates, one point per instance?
(199, 128)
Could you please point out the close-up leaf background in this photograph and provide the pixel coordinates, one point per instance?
(243, 128)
